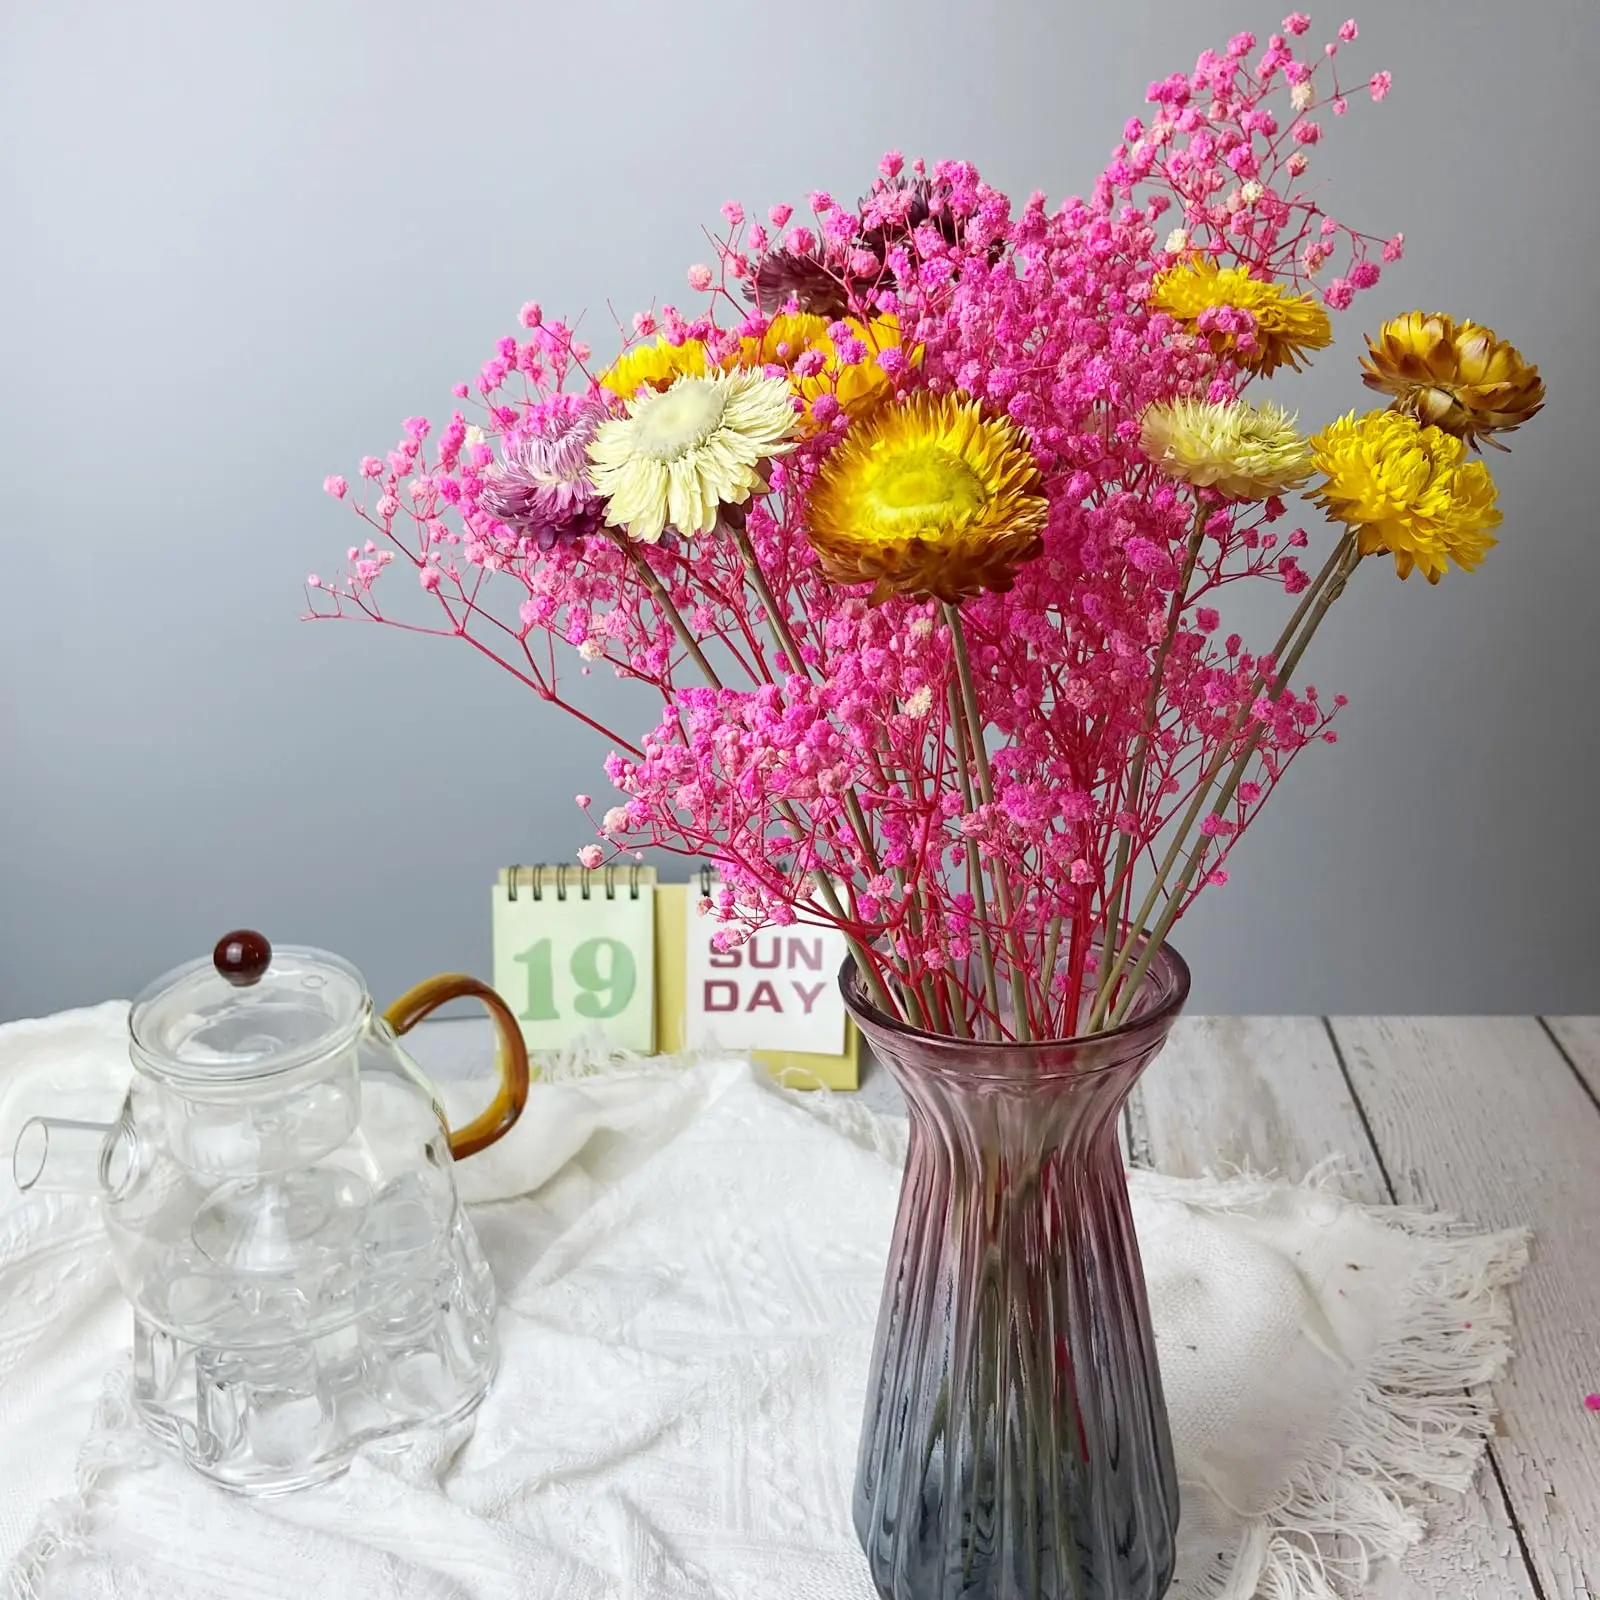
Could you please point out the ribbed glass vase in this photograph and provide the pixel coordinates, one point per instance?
(1015, 1445)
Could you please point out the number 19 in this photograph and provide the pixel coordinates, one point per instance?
(604, 988)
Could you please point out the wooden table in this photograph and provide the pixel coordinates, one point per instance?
(1496, 1119)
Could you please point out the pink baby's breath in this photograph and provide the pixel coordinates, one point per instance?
(826, 739)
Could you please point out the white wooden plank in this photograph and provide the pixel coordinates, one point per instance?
(1260, 1093)
(1268, 1094)
(1482, 1116)
(1579, 1040)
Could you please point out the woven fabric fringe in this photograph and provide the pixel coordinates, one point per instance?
(115, 1440)
(1415, 1427)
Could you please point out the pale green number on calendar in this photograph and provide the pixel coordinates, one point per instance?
(604, 986)
(574, 956)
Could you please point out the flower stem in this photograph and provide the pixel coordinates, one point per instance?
(1329, 586)
(1047, 971)
(775, 617)
(980, 763)
(1122, 875)
(786, 642)
(974, 865)
(663, 600)
(825, 889)
(1135, 925)
(858, 951)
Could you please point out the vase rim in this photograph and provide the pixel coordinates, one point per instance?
(1166, 966)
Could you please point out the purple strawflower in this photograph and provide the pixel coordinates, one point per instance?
(540, 488)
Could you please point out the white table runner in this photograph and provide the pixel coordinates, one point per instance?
(690, 1263)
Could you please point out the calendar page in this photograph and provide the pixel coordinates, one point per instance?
(779, 990)
(574, 954)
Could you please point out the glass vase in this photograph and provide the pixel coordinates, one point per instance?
(1015, 1445)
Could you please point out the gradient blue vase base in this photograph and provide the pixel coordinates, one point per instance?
(1015, 1444)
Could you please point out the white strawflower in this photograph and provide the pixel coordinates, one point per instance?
(681, 454)
(1246, 452)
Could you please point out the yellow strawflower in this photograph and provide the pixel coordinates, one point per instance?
(1457, 375)
(1243, 451)
(1406, 488)
(859, 385)
(927, 496)
(681, 454)
(657, 365)
(788, 337)
(1286, 324)
(856, 385)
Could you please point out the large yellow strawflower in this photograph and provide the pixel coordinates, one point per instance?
(681, 454)
(927, 496)
(1408, 489)
(1456, 375)
(657, 365)
(1243, 451)
(1287, 325)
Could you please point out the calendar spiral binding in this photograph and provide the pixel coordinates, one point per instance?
(543, 875)
(706, 876)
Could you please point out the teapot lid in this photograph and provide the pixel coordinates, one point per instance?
(246, 1011)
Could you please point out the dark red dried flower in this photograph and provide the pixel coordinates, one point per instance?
(814, 286)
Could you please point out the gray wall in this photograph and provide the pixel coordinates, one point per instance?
(242, 241)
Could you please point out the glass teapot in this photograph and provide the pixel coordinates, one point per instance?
(282, 1210)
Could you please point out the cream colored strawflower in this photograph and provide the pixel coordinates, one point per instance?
(681, 454)
(1243, 451)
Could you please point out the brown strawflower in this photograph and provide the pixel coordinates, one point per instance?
(816, 288)
(1453, 375)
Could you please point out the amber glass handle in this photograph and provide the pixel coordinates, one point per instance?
(511, 1055)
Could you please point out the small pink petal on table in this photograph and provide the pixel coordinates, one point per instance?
(1592, 1402)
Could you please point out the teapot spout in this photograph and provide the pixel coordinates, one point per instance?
(59, 1153)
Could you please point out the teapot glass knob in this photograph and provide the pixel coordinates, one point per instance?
(242, 957)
